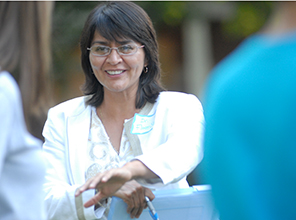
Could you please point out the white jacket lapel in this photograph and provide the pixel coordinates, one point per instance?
(78, 131)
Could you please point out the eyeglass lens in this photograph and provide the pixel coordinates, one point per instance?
(127, 49)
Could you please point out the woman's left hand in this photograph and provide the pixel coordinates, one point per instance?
(133, 194)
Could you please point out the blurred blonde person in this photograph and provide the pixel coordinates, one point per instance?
(25, 53)
(24, 56)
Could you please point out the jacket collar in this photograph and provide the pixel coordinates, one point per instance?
(78, 132)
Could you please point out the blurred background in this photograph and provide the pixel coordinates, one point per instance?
(193, 37)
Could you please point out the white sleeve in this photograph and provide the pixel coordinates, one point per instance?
(60, 198)
(174, 159)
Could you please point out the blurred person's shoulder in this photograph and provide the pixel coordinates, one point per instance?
(8, 84)
(10, 92)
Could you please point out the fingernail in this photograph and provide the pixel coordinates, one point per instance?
(77, 192)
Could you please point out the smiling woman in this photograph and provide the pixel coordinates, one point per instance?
(111, 24)
(125, 120)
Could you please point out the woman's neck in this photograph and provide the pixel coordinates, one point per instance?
(118, 106)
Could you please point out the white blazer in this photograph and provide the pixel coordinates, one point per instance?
(167, 138)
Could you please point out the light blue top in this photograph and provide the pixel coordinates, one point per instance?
(250, 136)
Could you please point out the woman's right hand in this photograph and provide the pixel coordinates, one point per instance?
(133, 194)
(106, 183)
(110, 181)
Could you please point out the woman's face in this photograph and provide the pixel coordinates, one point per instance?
(117, 73)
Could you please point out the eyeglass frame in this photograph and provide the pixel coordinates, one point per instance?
(115, 48)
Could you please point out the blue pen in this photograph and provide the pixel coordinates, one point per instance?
(152, 211)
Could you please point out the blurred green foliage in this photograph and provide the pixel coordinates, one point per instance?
(170, 13)
(68, 21)
(249, 17)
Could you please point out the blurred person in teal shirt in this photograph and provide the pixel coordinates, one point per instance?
(250, 114)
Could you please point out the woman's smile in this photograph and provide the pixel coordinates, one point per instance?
(115, 72)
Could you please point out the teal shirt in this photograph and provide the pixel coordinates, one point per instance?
(250, 132)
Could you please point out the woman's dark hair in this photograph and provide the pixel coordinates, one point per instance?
(115, 20)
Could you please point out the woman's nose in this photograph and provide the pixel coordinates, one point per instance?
(114, 57)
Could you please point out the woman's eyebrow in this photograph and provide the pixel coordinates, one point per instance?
(121, 42)
(100, 42)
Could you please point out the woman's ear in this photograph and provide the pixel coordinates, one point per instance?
(146, 69)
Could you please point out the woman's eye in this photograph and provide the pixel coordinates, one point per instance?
(126, 48)
(101, 49)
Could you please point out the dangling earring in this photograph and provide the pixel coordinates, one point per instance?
(146, 69)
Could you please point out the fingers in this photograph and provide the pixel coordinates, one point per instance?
(83, 188)
(138, 211)
(94, 200)
(89, 184)
(149, 194)
(108, 183)
(114, 177)
(135, 208)
(135, 198)
(140, 200)
(93, 182)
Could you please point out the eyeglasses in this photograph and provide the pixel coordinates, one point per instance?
(124, 50)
